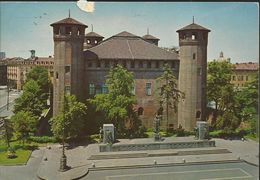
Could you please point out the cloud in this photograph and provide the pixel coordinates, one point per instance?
(86, 6)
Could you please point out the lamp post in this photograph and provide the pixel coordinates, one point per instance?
(63, 160)
(7, 103)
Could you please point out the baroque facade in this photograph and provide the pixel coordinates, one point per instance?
(81, 63)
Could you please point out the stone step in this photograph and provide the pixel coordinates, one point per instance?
(158, 154)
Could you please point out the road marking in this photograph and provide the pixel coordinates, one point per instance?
(182, 172)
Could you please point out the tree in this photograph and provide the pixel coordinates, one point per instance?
(221, 91)
(31, 100)
(72, 118)
(169, 94)
(24, 123)
(219, 88)
(117, 104)
(6, 130)
(40, 75)
(247, 103)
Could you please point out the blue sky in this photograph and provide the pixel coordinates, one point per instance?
(234, 26)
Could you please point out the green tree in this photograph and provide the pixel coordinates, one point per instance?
(219, 88)
(247, 103)
(31, 99)
(72, 118)
(24, 123)
(117, 104)
(168, 91)
(40, 75)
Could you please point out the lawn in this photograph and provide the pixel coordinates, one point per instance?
(22, 157)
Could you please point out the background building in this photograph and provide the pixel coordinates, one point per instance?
(244, 73)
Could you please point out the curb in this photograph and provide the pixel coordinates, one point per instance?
(163, 165)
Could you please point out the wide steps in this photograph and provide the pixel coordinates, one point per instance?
(157, 154)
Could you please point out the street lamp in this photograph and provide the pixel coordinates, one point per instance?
(63, 160)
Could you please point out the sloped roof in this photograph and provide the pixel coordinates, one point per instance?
(247, 66)
(148, 36)
(93, 34)
(193, 26)
(69, 21)
(128, 46)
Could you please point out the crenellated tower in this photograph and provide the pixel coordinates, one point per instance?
(193, 41)
(68, 36)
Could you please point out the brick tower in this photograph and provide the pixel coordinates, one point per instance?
(68, 36)
(193, 41)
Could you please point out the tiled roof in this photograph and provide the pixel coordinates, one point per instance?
(93, 34)
(193, 26)
(69, 21)
(148, 36)
(247, 66)
(128, 46)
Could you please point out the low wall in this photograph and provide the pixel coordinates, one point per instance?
(156, 146)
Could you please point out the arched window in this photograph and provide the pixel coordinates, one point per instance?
(140, 111)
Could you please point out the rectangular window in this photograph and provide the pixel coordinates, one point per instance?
(149, 64)
(57, 75)
(173, 65)
(98, 64)
(91, 89)
(104, 89)
(98, 89)
(107, 64)
(148, 89)
(234, 78)
(194, 56)
(124, 64)
(140, 65)
(132, 64)
(67, 69)
(157, 65)
(68, 30)
(67, 89)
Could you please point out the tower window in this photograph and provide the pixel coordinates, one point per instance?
(67, 89)
(78, 32)
(132, 64)
(194, 56)
(57, 75)
(68, 30)
(198, 114)
(194, 36)
(88, 41)
(67, 69)
(56, 30)
(96, 42)
(234, 78)
(148, 89)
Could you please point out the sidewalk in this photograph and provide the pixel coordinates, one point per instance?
(79, 158)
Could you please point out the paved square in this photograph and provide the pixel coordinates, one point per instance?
(232, 173)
